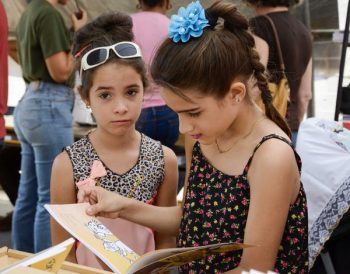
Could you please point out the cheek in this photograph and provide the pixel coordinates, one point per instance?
(136, 105)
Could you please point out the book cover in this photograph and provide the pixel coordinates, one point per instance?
(49, 260)
(119, 257)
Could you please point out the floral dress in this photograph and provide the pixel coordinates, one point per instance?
(216, 209)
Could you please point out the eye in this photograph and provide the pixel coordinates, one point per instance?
(104, 95)
(132, 92)
(194, 114)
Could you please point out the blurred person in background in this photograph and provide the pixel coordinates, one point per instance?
(296, 47)
(150, 27)
(4, 220)
(43, 116)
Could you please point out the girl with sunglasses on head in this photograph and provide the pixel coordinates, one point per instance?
(115, 156)
(243, 174)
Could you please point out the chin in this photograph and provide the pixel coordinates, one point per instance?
(206, 142)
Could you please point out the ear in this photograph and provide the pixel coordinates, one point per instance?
(83, 95)
(236, 92)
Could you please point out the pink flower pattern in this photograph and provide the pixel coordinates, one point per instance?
(216, 209)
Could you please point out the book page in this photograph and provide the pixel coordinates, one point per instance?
(166, 259)
(94, 235)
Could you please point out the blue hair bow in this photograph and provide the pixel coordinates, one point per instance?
(188, 22)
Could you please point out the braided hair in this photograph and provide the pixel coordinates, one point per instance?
(226, 51)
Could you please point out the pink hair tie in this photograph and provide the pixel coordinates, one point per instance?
(80, 51)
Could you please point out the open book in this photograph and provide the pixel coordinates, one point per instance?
(49, 260)
(119, 257)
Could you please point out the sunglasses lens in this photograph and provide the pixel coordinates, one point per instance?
(96, 57)
(125, 50)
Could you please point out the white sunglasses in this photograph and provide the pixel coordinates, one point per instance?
(100, 55)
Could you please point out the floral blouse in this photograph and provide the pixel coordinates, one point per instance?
(216, 209)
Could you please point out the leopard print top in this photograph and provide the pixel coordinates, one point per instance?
(142, 180)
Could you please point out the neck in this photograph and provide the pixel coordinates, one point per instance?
(158, 9)
(241, 126)
(109, 142)
(265, 10)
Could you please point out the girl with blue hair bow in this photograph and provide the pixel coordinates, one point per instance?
(243, 174)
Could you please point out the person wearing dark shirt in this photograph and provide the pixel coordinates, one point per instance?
(296, 46)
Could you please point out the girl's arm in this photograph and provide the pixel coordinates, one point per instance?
(166, 195)
(62, 192)
(165, 220)
(274, 185)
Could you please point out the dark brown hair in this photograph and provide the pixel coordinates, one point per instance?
(152, 3)
(272, 3)
(105, 30)
(211, 62)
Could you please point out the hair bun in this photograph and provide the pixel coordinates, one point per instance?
(106, 29)
(113, 23)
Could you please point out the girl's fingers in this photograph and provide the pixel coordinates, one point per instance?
(84, 195)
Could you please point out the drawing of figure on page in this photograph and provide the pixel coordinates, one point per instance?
(109, 244)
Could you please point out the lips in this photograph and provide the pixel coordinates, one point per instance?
(121, 122)
(196, 136)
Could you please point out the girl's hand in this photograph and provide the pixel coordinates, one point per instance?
(103, 203)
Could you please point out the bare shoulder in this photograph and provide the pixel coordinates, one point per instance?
(62, 187)
(169, 155)
(275, 152)
(274, 171)
(62, 162)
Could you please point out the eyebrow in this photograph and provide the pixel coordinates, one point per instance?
(187, 110)
(110, 87)
(102, 87)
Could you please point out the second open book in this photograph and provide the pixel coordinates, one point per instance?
(119, 257)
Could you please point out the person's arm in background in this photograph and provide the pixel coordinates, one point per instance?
(305, 91)
(61, 64)
(263, 50)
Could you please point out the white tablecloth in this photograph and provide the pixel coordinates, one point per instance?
(324, 150)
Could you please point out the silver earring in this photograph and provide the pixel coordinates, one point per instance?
(87, 106)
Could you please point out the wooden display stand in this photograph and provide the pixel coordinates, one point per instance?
(9, 256)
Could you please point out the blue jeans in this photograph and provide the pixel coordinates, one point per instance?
(160, 123)
(43, 124)
(294, 137)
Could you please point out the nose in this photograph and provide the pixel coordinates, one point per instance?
(120, 107)
(184, 125)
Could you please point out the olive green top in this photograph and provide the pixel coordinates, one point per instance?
(41, 33)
